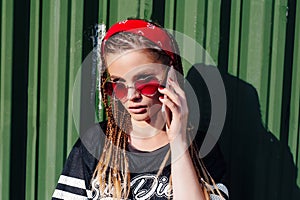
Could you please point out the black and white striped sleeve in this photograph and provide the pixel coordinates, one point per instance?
(72, 183)
(220, 194)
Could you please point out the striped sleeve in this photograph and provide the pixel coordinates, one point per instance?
(222, 194)
(70, 188)
(72, 183)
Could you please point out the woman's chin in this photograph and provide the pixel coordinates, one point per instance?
(152, 118)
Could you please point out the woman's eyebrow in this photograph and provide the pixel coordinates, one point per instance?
(145, 72)
(116, 78)
(148, 73)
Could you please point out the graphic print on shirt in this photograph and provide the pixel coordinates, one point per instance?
(143, 187)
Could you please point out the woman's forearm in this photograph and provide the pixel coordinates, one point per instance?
(185, 181)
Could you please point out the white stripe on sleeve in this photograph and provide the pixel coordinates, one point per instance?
(71, 181)
(59, 194)
(223, 188)
(215, 197)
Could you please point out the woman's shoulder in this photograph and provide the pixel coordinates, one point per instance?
(88, 138)
(86, 150)
(94, 136)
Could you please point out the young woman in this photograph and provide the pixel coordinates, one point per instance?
(147, 152)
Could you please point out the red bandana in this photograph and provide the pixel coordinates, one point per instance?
(153, 33)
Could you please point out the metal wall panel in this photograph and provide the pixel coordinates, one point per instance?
(6, 95)
(33, 101)
(256, 41)
(55, 45)
(250, 42)
(294, 122)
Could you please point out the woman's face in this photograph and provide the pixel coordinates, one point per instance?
(132, 70)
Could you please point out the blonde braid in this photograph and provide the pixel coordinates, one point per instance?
(208, 183)
(115, 144)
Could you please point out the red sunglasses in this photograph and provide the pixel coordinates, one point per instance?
(147, 87)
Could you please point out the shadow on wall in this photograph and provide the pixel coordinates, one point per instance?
(259, 166)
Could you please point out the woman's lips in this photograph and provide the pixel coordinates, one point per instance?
(137, 109)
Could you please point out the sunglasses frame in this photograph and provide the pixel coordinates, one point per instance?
(111, 92)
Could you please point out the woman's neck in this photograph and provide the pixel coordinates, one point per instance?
(150, 143)
(148, 136)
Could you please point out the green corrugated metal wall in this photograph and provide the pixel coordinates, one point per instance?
(43, 43)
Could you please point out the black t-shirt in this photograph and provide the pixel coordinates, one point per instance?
(75, 180)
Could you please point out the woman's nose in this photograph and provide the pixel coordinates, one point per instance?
(132, 93)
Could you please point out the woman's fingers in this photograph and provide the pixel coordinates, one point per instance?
(170, 104)
(175, 94)
(175, 85)
(176, 103)
(173, 91)
(171, 95)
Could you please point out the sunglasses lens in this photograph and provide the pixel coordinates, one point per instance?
(147, 87)
(120, 90)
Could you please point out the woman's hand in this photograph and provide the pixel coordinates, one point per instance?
(184, 176)
(177, 104)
